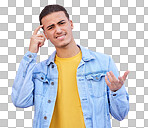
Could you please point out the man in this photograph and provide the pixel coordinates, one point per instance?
(74, 87)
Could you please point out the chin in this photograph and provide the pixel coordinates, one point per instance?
(63, 45)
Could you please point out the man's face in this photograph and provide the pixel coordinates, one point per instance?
(58, 29)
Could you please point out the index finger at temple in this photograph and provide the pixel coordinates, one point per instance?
(37, 29)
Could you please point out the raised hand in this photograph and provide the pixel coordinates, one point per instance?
(115, 84)
(36, 41)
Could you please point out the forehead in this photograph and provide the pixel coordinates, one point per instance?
(54, 17)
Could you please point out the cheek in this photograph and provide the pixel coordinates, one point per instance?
(69, 30)
(49, 35)
(70, 33)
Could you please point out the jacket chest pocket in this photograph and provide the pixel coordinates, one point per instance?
(40, 83)
(96, 84)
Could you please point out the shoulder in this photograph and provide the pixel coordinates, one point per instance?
(99, 60)
(101, 57)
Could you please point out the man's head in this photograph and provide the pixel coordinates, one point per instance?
(50, 9)
(57, 26)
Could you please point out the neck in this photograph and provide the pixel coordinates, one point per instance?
(69, 51)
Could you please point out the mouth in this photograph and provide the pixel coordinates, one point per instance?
(61, 37)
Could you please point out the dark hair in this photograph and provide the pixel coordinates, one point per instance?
(50, 9)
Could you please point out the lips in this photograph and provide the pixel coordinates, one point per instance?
(60, 37)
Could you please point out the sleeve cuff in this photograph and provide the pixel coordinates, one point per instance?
(29, 56)
(121, 91)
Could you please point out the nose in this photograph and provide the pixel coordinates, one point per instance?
(58, 29)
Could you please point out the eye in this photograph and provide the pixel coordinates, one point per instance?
(50, 28)
(62, 23)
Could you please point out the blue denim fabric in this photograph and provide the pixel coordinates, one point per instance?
(36, 84)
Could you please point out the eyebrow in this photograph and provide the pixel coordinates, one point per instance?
(53, 24)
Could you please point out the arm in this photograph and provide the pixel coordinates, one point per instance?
(117, 96)
(23, 87)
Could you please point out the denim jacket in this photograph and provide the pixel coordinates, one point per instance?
(36, 84)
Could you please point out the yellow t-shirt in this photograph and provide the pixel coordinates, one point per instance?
(67, 112)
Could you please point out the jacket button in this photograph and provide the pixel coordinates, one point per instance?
(42, 78)
(49, 101)
(114, 94)
(52, 83)
(45, 117)
(30, 56)
(52, 66)
(97, 78)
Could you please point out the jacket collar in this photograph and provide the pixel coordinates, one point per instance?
(86, 56)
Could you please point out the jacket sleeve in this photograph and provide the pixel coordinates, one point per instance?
(23, 86)
(119, 100)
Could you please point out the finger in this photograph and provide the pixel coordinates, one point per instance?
(41, 44)
(39, 39)
(125, 75)
(43, 39)
(109, 77)
(121, 81)
(40, 35)
(113, 77)
(37, 29)
(107, 82)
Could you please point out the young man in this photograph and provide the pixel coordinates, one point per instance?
(75, 87)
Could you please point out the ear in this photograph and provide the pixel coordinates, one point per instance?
(71, 23)
(45, 34)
